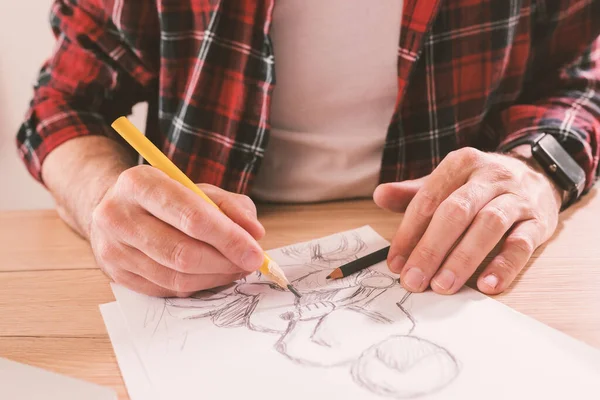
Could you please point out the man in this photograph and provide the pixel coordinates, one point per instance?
(291, 100)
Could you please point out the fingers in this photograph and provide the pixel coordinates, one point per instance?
(451, 219)
(396, 196)
(138, 284)
(136, 262)
(240, 208)
(516, 251)
(487, 229)
(181, 208)
(450, 175)
(169, 247)
(123, 261)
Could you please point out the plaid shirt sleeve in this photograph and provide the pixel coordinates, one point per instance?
(79, 89)
(562, 95)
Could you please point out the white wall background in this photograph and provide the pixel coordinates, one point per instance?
(25, 42)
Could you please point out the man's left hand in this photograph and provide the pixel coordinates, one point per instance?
(455, 216)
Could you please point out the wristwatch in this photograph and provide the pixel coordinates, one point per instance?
(556, 162)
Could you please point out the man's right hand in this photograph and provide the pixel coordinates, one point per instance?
(155, 236)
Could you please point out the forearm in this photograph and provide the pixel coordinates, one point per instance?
(560, 94)
(79, 172)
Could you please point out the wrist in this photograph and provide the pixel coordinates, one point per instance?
(92, 194)
(79, 173)
(524, 154)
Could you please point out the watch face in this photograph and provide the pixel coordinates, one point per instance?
(559, 165)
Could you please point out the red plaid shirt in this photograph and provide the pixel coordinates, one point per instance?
(476, 73)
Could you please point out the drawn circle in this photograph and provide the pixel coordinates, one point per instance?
(380, 281)
(405, 367)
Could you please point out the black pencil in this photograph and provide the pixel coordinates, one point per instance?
(359, 264)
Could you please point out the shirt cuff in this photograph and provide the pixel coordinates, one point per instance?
(36, 139)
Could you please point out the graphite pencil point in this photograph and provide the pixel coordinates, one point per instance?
(293, 290)
(336, 274)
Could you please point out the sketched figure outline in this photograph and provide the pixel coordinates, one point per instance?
(304, 326)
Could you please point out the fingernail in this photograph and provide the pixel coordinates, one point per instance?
(414, 278)
(445, 279)
(252, 260)
(491, 280)
(397, 264)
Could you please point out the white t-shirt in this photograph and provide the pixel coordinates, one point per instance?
(336, 84)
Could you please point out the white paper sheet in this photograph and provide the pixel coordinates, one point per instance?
(363, 337)
(134, 374)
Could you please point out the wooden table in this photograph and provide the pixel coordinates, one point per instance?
(51, 287)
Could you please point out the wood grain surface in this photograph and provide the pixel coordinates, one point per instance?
(51, 287)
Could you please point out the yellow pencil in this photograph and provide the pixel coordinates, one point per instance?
(157, 159)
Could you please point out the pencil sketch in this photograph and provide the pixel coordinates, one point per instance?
(387, 358)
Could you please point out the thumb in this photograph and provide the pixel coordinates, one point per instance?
(396, 196)
(239, 208)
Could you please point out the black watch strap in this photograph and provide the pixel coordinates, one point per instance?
(556, 162)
